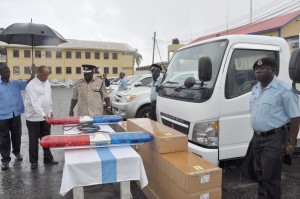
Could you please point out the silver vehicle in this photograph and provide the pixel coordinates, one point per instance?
(133, 103)
(57, 84)
(136, 81)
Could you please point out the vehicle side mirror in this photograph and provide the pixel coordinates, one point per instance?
(137, 84)
(204, 69)
(294, 70)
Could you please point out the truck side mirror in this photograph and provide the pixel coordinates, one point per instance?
(204, 69)
(294, 69)
(137, 84)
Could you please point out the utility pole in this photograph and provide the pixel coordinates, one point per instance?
(250, 11)
(153, 47)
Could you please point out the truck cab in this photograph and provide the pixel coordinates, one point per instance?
(214, 112)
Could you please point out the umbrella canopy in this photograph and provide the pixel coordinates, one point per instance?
(31, 34)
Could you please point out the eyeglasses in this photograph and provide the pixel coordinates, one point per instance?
(264, 67)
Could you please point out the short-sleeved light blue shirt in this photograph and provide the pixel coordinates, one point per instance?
(273, 106)
(154, 84)
(122, 84)
(11, 101)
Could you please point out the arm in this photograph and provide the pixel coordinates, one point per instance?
(294, 128)
(73, 104)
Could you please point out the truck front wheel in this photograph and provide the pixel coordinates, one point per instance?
(144, 112)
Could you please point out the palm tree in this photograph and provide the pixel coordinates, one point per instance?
(137, 57)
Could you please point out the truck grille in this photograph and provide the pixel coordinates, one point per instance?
(184, 128)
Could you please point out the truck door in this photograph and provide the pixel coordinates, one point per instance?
(236, 85)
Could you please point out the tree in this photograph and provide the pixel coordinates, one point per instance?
(137, 57)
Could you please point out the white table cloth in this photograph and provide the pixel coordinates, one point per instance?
(84, 167)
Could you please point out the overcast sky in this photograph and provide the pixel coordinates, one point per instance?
(135, 21)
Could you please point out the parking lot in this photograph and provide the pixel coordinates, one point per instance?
(19, 181)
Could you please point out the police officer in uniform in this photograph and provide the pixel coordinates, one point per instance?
(155, 70)
(88, 94)
(273, 104)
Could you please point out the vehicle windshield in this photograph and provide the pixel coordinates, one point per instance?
(185, 64)
(134, 79)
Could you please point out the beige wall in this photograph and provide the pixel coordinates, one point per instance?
(292, 29)
(123, 62)
(274, 33)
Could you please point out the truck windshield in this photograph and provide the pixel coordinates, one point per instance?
(185, 64)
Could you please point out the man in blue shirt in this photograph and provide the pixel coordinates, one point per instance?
(123, 82)
(273, 104)
(11, 108)
(155, 70)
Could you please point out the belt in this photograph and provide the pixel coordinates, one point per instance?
(270, 132)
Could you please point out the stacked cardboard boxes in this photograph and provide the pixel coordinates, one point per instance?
(172, 171)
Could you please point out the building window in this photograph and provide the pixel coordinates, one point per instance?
(27, 53)
(38, 54)
(58, 70)
(58, 54)
(68, 70)
(16, 53)
(115, 70)
(48, 54)
(88, 55)
(16, 70)
(27, 70)
(106, 55)
(115, 55)
(50, 70)
(78, 55)
(106, 70)
(78, 70)
(68, 54)
(97, 70)
(97, 55)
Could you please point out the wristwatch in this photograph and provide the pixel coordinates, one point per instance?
(291, 146)
(108, 107)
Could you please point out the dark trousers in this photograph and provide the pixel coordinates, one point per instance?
(37, 130)
(268, 164)
(14, 126)
(153, 111)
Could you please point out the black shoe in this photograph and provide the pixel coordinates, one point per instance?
(50, 162)
(19, 157)
(4, 166)
(34, 165)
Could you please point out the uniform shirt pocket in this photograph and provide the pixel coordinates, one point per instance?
(268, 104)
(96, 88)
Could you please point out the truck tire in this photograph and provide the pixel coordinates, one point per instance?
(144, 112)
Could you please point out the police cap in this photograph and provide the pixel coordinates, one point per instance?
(87, 68)
(266, 61)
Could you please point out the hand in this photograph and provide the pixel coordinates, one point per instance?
(71, 113)
(108, 109)
(289, 149)
(46, 118)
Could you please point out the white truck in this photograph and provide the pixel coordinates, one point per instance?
(211, 104)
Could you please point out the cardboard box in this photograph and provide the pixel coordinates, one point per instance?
(149, 193)
(191, 172)
(165, 139)
(187, 170)
(121, 126)
(165, 188)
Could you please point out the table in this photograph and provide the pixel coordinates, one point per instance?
(84, 167)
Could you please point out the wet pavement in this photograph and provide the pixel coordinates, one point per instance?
(19, 181)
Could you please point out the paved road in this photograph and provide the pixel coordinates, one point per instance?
(19, 181)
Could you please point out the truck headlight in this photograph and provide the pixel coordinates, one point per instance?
(128, 98)
(206, 133)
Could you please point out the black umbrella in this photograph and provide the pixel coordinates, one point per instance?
(31, 34)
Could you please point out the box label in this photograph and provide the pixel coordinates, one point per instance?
(204, 196)
(197, 167)
(205, 179)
